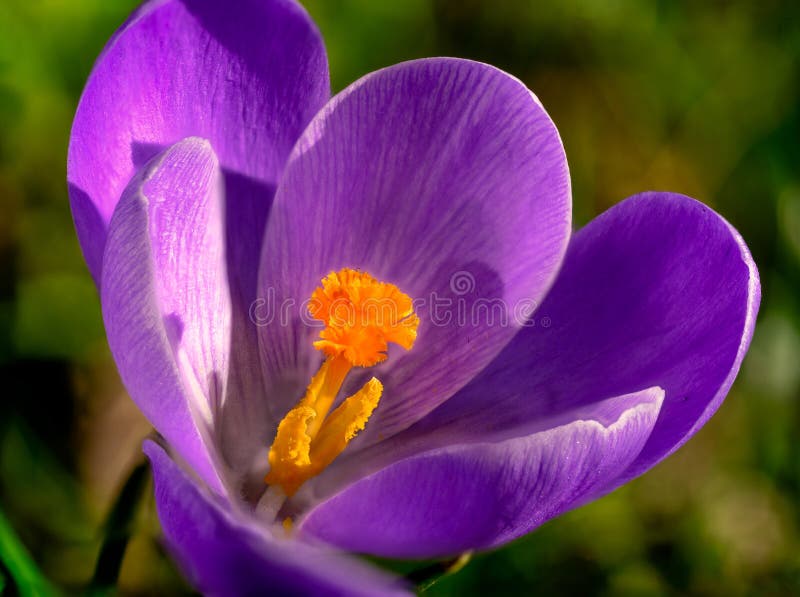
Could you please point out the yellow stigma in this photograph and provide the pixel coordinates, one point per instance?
(361, 316)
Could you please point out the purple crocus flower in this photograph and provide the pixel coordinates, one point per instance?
(215, 186)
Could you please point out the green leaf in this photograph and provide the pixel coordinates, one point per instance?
(427, 576)
(24, 573)
(119, 528)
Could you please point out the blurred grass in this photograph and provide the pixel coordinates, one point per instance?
(696, 97)
(19, 565)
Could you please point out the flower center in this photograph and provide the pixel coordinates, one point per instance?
(361, 316)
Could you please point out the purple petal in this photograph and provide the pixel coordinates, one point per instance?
(481, 494)
(443, 176)
(658, 291)
(247, 78)
(223, 553)
(244, 423)
(165, 297)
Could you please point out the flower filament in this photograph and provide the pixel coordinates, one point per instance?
(361, 316)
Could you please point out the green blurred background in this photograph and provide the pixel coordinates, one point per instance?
(689, 96)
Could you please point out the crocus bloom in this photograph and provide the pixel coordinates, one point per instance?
(215, 186)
